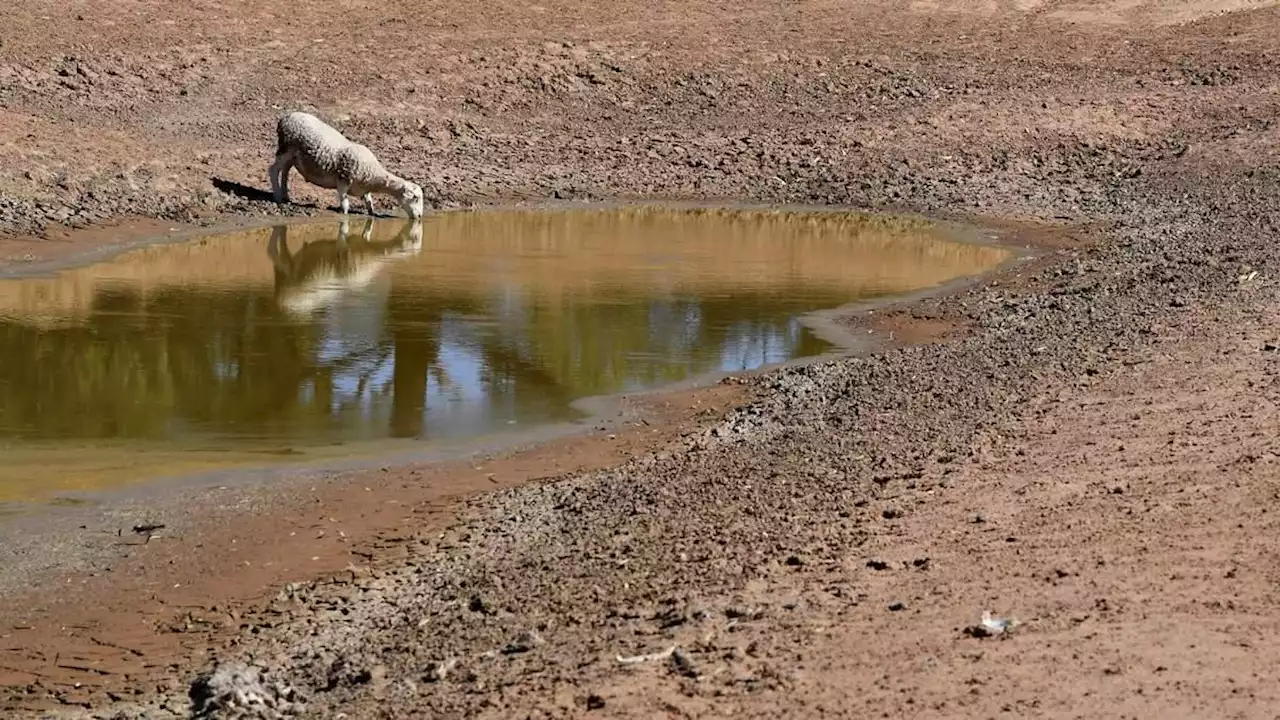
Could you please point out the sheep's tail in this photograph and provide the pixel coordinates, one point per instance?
(281, 141)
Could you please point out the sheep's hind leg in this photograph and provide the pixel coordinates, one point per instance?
(278, 174)
(368, 203)
(284, 179)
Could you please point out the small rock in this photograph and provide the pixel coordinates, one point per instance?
(977, 631)
(594, 702)
(735, 612)
(990, 626)
(683, 664)
(895, 607)
(795, 561)
(238, 690)
(439, 671)
(523, 643)
(891, 513)
(877, 564)
(346, 672)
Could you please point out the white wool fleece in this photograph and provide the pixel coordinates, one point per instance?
(326, 158)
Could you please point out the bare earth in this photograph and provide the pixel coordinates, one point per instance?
(1087, 443)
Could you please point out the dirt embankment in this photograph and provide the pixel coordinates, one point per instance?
(1093, 453)
(147, 110)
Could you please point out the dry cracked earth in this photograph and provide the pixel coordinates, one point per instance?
(1090, 450)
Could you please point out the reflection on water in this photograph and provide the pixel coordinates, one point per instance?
(283, 341)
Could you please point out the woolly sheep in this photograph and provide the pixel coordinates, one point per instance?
(324, 157)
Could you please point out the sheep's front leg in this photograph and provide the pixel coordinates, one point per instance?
(344, 228)
(343, 202)
(368, 203)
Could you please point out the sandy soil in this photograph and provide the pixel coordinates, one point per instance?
(1086, 445)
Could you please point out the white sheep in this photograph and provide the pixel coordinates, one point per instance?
(324, 157)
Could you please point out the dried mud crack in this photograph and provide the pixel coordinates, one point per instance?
(1091, 451)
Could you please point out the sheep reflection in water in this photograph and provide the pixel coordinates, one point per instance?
(321, 271)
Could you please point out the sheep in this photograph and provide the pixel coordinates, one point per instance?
(324, 157)
(320, 272)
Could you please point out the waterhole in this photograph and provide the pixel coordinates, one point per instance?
(313, 341)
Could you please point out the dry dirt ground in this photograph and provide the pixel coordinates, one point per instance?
(1091, 449)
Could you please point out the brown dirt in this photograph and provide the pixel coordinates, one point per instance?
(1085, 443)
(152, 600)
(65, 245)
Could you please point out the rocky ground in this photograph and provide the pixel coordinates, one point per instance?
(1092, 452)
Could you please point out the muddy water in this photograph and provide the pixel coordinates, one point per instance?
(311, 341)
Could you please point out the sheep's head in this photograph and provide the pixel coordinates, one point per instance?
(413, 238)
(411, 199)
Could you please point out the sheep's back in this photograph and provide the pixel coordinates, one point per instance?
(358, 165)
(308, 134)
(304, 127)
(316, 146)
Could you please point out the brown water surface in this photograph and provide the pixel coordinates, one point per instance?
(308, 342)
